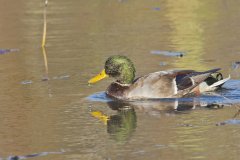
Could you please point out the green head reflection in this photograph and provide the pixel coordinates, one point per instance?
(123, 124)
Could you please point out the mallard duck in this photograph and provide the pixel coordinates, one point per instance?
(161, 84)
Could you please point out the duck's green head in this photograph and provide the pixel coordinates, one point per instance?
(118, 67)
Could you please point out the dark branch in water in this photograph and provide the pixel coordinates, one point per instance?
(32, 155)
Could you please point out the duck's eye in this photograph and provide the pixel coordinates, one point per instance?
(112, 70)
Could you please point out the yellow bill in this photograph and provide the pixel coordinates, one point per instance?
(98, 77)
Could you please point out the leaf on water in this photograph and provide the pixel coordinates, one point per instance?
(26, 82)
(185, 125)
(121, 1)
(168, 53)
(33, 155)
(45, 78)
(236, 65)
(5, 51)
(61, 77)
(156, 8)
(230, 121)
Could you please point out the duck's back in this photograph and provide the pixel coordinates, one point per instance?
(154, 85)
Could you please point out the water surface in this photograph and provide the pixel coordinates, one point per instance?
(52, 113)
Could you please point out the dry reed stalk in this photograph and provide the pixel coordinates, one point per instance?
(44, 38)
(45, 60)
(44, 24)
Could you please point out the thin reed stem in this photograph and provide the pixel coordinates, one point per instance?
(45, 60)
(44, 24)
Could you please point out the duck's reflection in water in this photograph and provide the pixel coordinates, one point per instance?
(122, 124)
(163, 106)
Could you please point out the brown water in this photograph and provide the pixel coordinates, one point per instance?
(55, 118)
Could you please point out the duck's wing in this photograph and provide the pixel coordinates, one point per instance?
(188, 80)
(160, 84)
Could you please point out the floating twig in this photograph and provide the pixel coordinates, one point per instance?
(168, 53)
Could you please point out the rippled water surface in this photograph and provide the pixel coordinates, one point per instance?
(48, 111)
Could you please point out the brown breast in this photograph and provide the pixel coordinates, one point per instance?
(115, 90)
